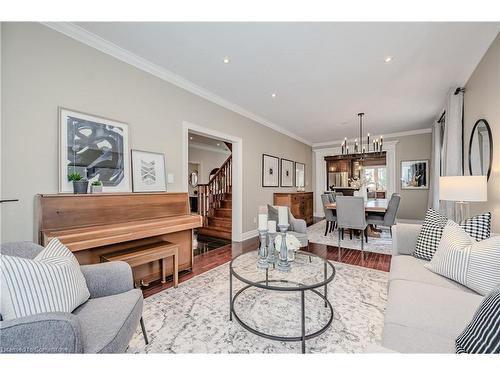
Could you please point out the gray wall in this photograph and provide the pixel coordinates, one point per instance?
(482, 100)
(413, 203)
(43, 69)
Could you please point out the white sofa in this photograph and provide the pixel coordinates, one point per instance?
(425, 312)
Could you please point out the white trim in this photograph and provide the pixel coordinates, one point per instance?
(237, 186)
(320, 171)
(84, 36)
(250, 234)
(389, 135)
(201, 146)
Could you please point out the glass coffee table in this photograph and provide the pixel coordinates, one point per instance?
(309, 273)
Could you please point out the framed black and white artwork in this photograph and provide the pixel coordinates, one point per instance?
(96, 148)
(270, 171)
(287, 175)
(300, 174)
(415, 174)
(148, 171)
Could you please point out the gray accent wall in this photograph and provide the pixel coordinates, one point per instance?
(43, 69)
(482, 100)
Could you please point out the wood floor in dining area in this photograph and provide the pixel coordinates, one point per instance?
(213, 258)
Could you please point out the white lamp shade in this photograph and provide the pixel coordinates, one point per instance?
(463, 188)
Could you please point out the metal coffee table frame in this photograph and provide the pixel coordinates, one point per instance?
(294, 287)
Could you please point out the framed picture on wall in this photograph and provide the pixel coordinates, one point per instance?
(415, 174)
(148, 171)
(287, 173)
(270, 171)
(300, 174)
(96, 148)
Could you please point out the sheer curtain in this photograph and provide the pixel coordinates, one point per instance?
(435, 170)
(452, 144)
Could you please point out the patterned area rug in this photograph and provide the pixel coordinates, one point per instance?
(194, 318)
(382, 245)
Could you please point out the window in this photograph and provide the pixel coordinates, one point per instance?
(376, 178)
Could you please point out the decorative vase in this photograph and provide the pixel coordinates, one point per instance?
(95, 189)
(80, 187)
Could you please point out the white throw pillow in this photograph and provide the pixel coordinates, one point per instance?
(473, 264)
(52, 282)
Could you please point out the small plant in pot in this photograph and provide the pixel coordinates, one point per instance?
(80, 185)
(96, 186)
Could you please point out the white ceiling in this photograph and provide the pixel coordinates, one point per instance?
(214, 143)
(323, 73)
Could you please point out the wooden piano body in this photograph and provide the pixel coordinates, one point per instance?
(91, 225)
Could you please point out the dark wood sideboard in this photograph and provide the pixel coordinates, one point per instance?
(92, 225)
(300, 203)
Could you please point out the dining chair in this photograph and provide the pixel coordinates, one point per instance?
(329, 216)
(389, 218)
(351, 215)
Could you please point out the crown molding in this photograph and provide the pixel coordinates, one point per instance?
(84, 36)
(201, 146)
(388, 135)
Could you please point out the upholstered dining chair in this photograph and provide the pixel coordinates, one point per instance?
(330, 218)
(351, 215)
(389, 218)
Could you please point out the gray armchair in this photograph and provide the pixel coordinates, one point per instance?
(298, 227)
(103, 324)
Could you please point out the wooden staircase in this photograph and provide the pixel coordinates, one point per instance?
(215, 203)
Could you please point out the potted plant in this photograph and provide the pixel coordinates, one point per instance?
(80, 185)
(96, 187)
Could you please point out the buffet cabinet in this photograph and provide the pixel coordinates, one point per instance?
(300, 203)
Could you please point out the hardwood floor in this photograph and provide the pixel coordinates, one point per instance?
(213, 258)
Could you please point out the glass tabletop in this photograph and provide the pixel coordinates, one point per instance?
(307, 271)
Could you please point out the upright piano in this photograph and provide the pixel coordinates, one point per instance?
(92, 225)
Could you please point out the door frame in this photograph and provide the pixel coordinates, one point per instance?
(237, 183)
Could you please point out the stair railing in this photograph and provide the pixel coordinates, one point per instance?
(211, 195)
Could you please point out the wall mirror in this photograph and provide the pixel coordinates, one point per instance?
(193, 179)
(481, 149)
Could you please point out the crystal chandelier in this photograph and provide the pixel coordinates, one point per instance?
(360, 147)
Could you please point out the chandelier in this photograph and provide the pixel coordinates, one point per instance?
(360, 147)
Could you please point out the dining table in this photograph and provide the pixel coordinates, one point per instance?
(372, 206)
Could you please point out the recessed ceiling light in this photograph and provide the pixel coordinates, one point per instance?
(226, 60)
(218, 144)
(388, 59)
(273, 95)
(191, 138)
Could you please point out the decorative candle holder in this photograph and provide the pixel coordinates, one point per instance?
(262, 263)
(283, 264)
(271, 251)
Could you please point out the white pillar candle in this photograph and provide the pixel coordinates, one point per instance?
(271, 226)
(283, 215)
(262, 221)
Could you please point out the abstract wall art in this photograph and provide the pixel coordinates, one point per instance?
(148, 171)
(94, 147)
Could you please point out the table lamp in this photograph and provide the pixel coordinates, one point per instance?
(462, 190)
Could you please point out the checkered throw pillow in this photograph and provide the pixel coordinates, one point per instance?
(478, 227)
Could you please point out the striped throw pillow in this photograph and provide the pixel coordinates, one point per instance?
(52, 282)
(482, 334)
(461, 258)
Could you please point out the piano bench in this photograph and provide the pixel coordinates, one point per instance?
(143, 254)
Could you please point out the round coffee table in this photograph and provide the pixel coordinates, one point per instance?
(308, 272)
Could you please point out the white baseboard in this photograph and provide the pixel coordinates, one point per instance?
(250, 234)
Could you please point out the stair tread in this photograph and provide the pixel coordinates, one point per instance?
(215, 227)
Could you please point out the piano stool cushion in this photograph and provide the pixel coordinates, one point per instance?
(51, 282)
(108, 323)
